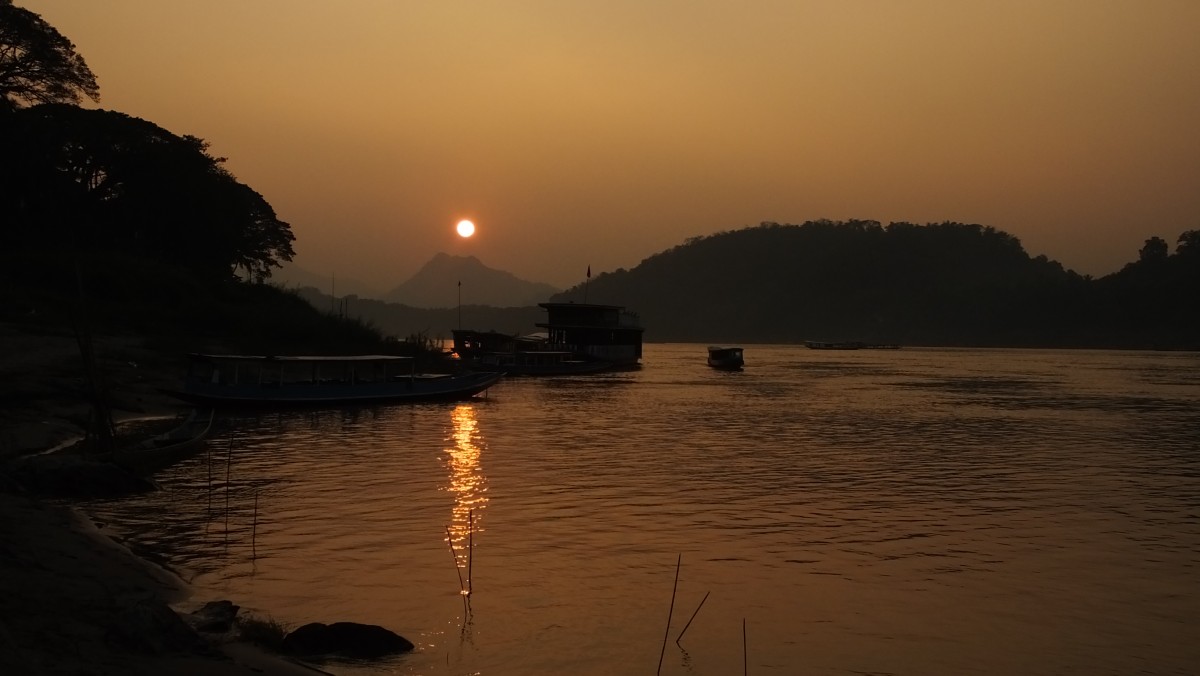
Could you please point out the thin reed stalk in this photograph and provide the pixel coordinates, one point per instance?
(745, 658)
(454, 555)
(670, 612)
(254, 529)
(689, 622)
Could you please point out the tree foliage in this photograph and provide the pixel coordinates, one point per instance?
(101, 180)
(38, 64)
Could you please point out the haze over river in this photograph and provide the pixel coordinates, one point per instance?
(913, 511)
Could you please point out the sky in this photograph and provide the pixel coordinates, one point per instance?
(595, 134)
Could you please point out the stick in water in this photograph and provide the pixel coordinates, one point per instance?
(462, 591)
(454, 554)
(254, 530)
(470, 547)
(744, 659)
(670, 612)
(689, 622)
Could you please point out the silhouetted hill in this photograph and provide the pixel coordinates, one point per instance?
(937, 284)
(436, 286)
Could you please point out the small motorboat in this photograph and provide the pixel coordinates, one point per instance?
(725, 358)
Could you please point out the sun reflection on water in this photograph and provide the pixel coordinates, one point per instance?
(467, 481)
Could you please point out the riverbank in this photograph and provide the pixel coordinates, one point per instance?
(75, 600)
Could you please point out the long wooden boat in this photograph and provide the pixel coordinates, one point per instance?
(244, 380)
(725, 358)
(170, 447)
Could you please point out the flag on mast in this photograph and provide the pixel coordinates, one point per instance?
(589, 272)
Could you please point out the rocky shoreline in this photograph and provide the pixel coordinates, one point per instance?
(76, 601)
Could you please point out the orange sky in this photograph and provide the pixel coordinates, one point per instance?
(599, 133)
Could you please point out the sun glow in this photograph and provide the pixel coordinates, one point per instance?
(465, 228)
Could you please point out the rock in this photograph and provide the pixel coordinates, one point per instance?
(215, 617)
(347, 639)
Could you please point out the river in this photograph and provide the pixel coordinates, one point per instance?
(912, 511)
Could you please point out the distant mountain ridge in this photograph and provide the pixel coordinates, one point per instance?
(436, 285)
(938, 284)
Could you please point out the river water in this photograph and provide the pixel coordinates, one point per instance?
(913, 511)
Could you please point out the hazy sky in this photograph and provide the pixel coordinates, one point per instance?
(598, 133)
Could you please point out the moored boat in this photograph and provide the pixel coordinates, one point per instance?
(579, 338)
(169, 447)
(725, 358)
(606, 333)
(245, 380)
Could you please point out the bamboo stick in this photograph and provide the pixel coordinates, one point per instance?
(254, 529)
(461, 589)
(745, 660)
(670, 612)
(689, 622)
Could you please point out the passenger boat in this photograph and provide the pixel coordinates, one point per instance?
(579, 338)
(243, 380)
(725, 358)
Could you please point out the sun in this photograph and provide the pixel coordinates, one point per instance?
(465, 228)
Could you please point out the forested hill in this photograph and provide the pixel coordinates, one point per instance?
(936, 284)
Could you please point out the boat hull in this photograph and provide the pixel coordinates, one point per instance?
(414, 389)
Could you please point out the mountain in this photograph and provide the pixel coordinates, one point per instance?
(292, 276)
(436, 285)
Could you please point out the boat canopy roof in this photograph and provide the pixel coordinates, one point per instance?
(298, 358)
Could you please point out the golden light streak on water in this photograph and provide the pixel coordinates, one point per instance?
(466, 481)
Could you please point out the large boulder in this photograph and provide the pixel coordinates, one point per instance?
(346, 639)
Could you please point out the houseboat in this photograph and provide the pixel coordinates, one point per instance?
(577, 338)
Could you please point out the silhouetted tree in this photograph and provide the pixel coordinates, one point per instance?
(99, 180)
(38, 64)
(1188, 244)
(1155, 251)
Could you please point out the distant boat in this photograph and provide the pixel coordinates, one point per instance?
(822, 345)
(579, 338)
(848, 345)
(243, 380)
(725, 358)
